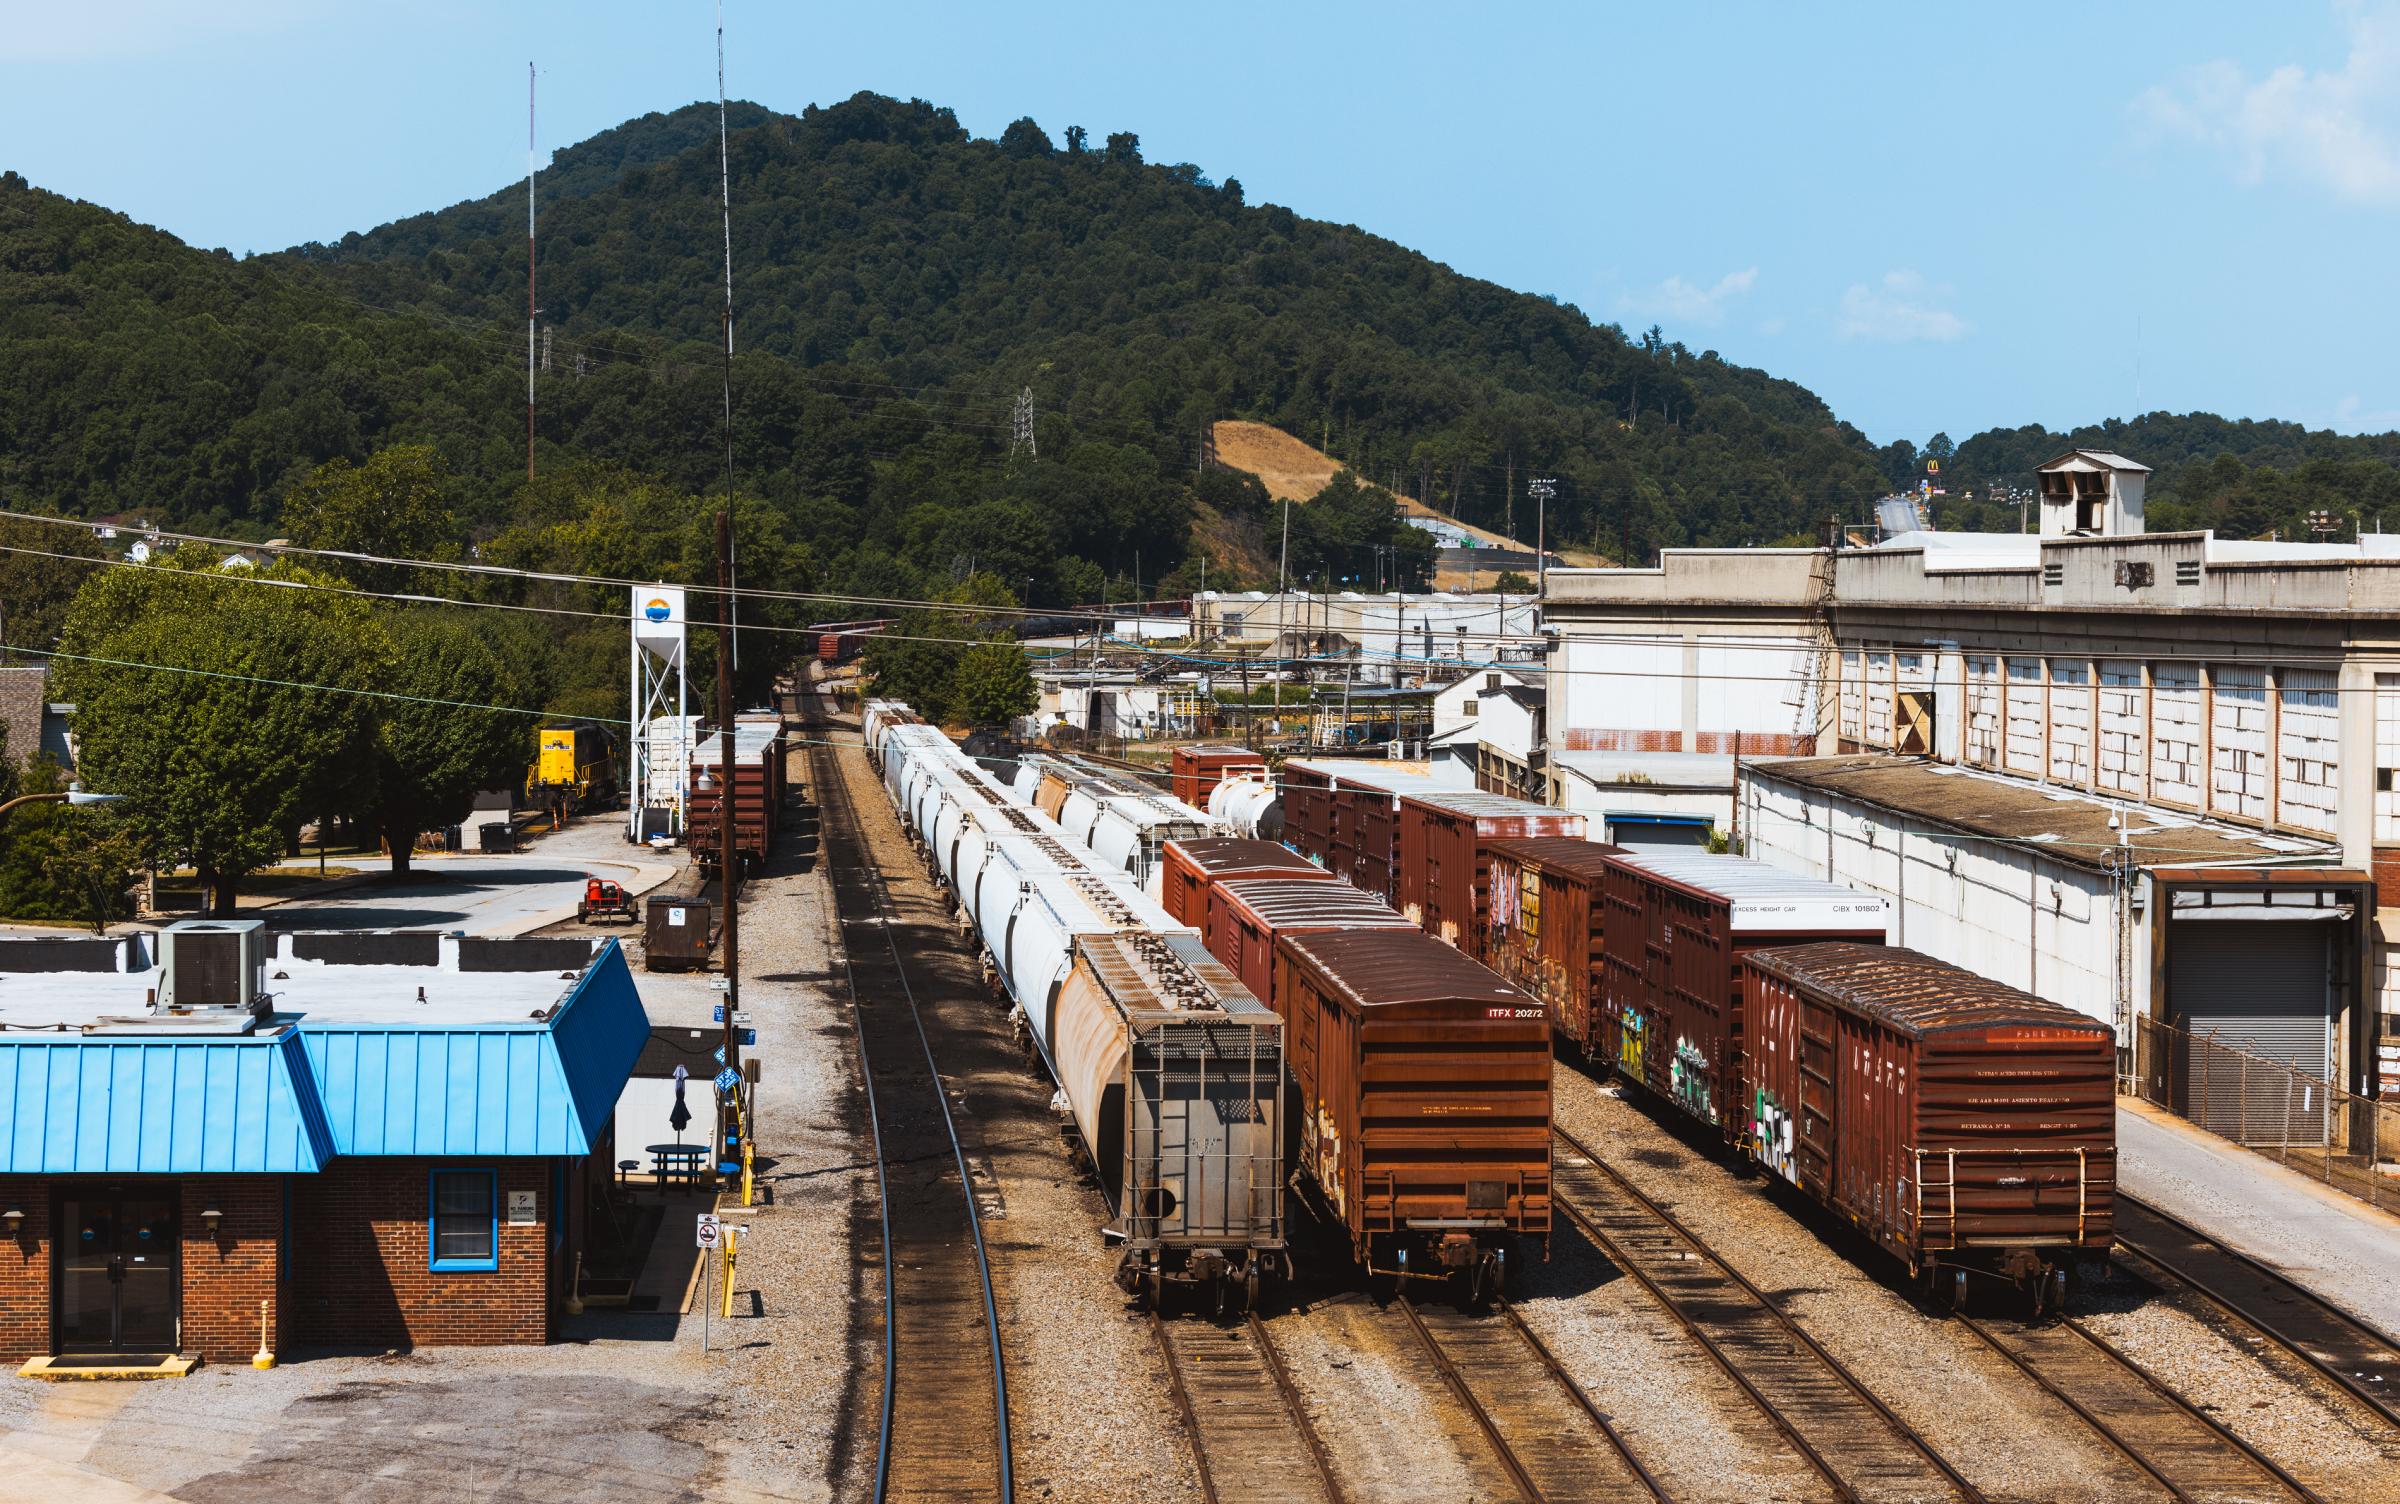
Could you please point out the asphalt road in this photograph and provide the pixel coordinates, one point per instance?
(482, 895)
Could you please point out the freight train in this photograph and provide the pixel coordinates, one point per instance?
(1965, 1126)
(759, 789)
(1171, 1069)
(1417, 1109)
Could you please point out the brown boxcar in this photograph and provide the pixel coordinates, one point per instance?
(1338, 812)
(1960, 1123)
(1187, 869)
(1545, 930)
(1676, 927)
(1374, 823)
(1443, 877)
(1194, 771)
(758, 780)
(1424, 1098)
(1246, 914)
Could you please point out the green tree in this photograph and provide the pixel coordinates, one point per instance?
(216, 708)
(433, 753)
(993, 684)
(1512, 583)
(399, 504)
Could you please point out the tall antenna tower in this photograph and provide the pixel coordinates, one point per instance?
(725, 196)
(531, 312)
(1020, 425)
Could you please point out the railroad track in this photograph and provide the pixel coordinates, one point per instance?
(2183, 1448)
(1255, 1443)
(2345, 1351)
(1854, 1441)
(1553, 1442)
(942, 1364)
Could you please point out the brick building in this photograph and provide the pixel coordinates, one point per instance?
(384, 1138)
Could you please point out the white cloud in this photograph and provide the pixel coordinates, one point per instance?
(110, 30)
(2350, 415)
(1682, 302)
(2339, 128)
(1901, 308)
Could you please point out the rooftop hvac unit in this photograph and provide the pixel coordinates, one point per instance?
(212, 963)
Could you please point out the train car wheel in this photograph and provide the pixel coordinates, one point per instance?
(1250, 1288)
(1954, 1288)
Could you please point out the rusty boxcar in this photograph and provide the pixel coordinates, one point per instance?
(1188, 869)
(1195, 771)
(1676, 927)
(1964, 1125)
(1545, 928)
(1442, 877)
(1423, 1085)
(1246, 914)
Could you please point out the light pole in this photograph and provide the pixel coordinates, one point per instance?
(73, 796)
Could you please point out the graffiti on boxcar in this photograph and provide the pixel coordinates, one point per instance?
(1689, 1080)
(1629, 1044)
(1771, 1131)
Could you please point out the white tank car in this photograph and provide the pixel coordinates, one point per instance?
(1174, 1071)
(1248, 806)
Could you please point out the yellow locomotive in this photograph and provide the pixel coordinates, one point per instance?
(574, 769)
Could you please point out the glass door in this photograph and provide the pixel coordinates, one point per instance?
(116, 1271)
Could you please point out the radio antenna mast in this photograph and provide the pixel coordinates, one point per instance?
(725, 196)
(531, 312)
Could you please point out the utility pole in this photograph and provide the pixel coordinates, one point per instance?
(1541, 488)
(1283, 596)
(532, 312)
(728, 860)
(725, 199)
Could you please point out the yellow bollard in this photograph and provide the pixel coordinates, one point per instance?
(727, 1282)
(265, 1356)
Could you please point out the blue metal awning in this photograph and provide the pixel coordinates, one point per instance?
(289, 1101)
(76, 1105)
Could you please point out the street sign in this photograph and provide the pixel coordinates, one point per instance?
(728, 1079)
(717, 1015)
(718, 1054)
(709, 1230)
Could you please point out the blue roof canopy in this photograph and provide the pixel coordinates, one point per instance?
(288, 1102)
(71, 1105)
(510, 1089)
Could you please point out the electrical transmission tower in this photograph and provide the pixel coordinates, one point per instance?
(1020, 425)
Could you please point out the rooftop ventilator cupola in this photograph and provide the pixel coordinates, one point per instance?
(2092, 493)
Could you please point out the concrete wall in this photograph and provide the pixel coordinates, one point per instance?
(2007, 913)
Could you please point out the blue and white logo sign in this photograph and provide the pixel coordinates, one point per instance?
(728, 1079)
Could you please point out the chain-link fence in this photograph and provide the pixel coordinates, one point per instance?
(2267, 1106)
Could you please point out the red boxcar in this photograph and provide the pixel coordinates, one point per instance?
(1246, 914)
(1443, 875)
(1676, 927)
(1962, 1124)
(1187, 869)
(1545, 931)
(1424, 1097)
(1194, 771)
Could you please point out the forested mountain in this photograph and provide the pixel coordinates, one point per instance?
(898, 284)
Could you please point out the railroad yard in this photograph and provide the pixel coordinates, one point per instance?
(957, 815)
(1697, 1332)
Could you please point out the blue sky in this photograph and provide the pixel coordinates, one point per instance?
(1938, 217)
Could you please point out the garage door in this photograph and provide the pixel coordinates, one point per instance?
(2261, 987)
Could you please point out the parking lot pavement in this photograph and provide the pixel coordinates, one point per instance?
(608, 1421)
